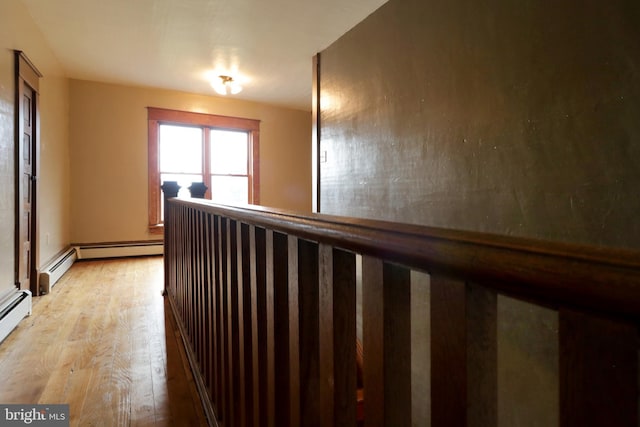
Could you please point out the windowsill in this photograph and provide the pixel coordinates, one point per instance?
(156, 229)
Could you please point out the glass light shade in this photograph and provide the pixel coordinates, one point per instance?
(225, 85)
(235, 88)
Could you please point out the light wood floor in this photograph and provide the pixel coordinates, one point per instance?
(105, 343)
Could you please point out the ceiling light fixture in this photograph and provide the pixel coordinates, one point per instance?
(225, 85)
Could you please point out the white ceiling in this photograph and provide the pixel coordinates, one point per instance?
(176, 44)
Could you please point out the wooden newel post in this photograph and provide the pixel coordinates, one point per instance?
(170, 189)
(198, 190)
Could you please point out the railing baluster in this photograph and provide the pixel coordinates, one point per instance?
(192, 280)
(234, 332)
(202, 299)
(260, 321)
(188, 279)
(227, 386)
(186, 263)
(198, 283)
(337, 337)
(245, 326)
(386, 343)
(279, 277)
(217, 320)
(188, 273)
(373, 340)
(181, 267)
(305, 281)
(180, 239)
(294, 333)
(268, 391)
(209, 306)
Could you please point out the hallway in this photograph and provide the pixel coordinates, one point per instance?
(102, 343)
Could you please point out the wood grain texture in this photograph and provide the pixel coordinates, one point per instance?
(27, 152)
(373, 340)
(278, 274)
(326, 337)
(255, 253)
(246, 325)
(598, 371)
(308, 333)
(233, 336)
(397, 345)
(462, 314)
(227, 388)
(386, 343)
(337, 337)
(294, 311)
(260, 321)
(218, 400)
(210, 304)
(597, 278)
(270, 339)
(105, 342)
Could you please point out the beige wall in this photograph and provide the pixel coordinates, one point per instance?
(6, 164)
(55, 170)
(108, 134)
(18, 31)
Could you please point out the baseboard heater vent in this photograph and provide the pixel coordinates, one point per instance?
(119, 250)
(51, 274)
(13, 309)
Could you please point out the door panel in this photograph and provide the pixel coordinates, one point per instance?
(26, 188)
(26, 147)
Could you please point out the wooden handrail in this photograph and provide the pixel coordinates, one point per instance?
(266, 302)
(603, 279)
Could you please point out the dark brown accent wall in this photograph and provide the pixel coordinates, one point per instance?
(510, 117)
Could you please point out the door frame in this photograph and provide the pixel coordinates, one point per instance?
(27, 74)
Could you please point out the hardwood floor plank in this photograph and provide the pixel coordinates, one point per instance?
(105, 342)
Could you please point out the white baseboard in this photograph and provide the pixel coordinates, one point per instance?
(12, 310)
(119, 249)
(56, 269)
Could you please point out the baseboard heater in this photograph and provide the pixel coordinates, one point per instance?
(120, 249)
(54, 271)
(15, 307)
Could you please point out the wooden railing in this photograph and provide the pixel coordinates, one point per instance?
(267, 304)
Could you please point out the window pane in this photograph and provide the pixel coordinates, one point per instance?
(180, 149)
(229, 152)
(230, 190)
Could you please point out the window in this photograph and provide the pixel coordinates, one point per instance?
(222, 152)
